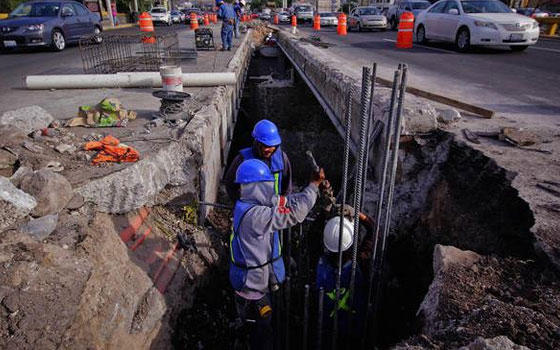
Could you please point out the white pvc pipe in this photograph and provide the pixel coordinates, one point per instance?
(123, 80)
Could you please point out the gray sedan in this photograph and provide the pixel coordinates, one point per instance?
(48, 23)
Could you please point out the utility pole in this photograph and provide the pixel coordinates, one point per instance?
(110, 12)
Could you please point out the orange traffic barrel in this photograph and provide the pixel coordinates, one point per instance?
(215, 18)
(206, 20)
(194, 21)
(145, 22)
(294, 21)
(406, 27)
(341, 28)
(276, 20)
(317, 22)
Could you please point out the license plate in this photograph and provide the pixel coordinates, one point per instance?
(10, 43)
(516, 37)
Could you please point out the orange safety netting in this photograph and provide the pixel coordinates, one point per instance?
(110, 151)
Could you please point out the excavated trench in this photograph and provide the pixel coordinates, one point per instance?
(446, 193)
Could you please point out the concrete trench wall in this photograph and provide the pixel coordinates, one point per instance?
(192, 165)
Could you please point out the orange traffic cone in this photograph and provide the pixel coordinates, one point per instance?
(276, 20)
(341, 28)
(404, 36)
(194, 21)
(206, 20)
(147, 25)
(317, 22)
(294, 24)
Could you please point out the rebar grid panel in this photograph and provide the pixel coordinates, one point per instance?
(129, 53)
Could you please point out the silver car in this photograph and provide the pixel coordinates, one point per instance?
(366, 17)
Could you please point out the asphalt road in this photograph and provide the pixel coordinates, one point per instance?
(518, 84)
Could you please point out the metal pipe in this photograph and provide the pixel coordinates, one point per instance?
(345, 161)
(366, 86)
(320, 319)
(305, 317)
(381, 198)
(123, 80)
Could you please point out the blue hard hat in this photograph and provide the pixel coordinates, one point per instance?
(253, 170)
(218, 2)
(266, 133)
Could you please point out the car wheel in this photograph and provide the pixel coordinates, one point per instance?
(97, 35)
(519, 48)
(463, 40)
(421, 35)
(58, 43)
(393, 23)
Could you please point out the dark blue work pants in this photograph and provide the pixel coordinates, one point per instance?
(227, 35)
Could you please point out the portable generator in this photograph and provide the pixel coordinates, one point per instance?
(204, 39)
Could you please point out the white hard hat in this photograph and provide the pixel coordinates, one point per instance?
(331, 233)
(242, 2)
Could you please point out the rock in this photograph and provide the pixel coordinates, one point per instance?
(76, 202)
(519, 137)
(8, 162)
(14, 203)
(41, 228)
(448, 115)
(10, 136)
(27, 119)
(20, 173)
(54, 166)
(445, 256)
(31, 147)
(52, 191)
(65, 148)
(498, 343)
(419, 120)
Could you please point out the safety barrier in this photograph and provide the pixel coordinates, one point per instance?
(404, 36)
(551, 24)
(194, 21)
(145, 22)
(317, 22)
(276, 20)
(341, 28)
(206, 20)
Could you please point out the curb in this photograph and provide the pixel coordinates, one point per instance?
(549, 37)
(120, 26)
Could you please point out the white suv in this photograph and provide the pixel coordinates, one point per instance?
(160, 14)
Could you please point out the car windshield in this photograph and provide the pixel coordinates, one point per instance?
(419, 5)
(369, 11)
(484, 6)
(158, 11)
(36, 9)
(304, 9)
(327, 14)
(283, 13)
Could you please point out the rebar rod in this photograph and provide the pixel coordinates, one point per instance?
(289, 251)
(366, 86)
(305, 317)
(345, 161)
(287, 315)
(371, 117)
(320, 319)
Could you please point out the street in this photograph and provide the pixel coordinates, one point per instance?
(519, 84)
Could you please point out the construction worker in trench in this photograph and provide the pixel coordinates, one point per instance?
(351, 318)
(256, 265)
(227, 14)
(266, 147)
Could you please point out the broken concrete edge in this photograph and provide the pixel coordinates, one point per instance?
(194, 163)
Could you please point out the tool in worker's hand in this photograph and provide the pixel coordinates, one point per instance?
(313, 162)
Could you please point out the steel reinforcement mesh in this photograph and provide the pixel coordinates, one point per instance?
(128, 53)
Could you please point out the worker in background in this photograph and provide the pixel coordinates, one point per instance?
(238, 8)
(256, 266)
(228, 17)
(266, 147)
(350, 317)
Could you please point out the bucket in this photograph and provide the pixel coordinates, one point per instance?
(171, 78)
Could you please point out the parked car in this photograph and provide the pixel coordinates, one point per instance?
(197, 12)
(415, 6)
(284, 17)
(51, 24)
(366, 17)
(328, 19)
(304, 12)
(532, 12)
(177, 16)
(161, 15)
(476, 22)
(264, 16)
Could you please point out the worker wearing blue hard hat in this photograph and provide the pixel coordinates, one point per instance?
(267, 148)
(227, 14)
(256, 265)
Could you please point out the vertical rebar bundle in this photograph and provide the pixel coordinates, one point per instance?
(305, 317)
(320, 319)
